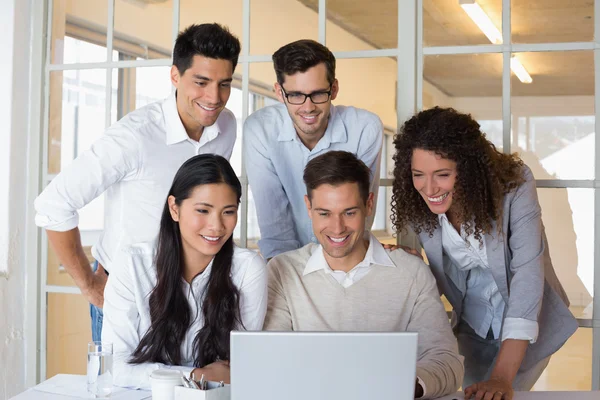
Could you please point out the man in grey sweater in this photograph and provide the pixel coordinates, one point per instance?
(349, 282)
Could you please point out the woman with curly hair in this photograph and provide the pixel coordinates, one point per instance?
(479, 221)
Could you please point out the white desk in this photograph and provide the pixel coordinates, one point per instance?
(541, 396)
(33, 394)
(74, 387)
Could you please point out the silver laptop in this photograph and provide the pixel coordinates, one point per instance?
(323, 365)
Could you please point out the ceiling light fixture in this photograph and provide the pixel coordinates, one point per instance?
(520, 70)
(481, 19)
(483, 22)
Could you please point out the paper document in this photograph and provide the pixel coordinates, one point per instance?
(75, 386)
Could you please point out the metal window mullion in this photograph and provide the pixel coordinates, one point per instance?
(366, 53)
(322, 22)
(43, 299)
(245, 102)
(596, 299)
(156, 62)
(506, 53)
(34, 156)
(62, 289)
(517, 47)
(420, 61)
(109, 47)
(175, 21)
(406, 76)
(566, 183)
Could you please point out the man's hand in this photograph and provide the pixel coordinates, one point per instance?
(407, 249)
(93, 290)
(492, 389)
(216, 372)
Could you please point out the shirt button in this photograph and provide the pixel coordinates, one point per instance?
(314, 239)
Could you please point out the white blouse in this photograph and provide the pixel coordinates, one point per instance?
(483, 305)
(127, 311)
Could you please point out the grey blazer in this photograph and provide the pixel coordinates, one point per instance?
(520, 263)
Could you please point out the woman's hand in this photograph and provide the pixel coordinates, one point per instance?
(407, 249)
(492, 389)
(216, 372)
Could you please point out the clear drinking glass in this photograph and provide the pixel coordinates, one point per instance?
(99, 369)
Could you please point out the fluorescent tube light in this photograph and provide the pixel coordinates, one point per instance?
(520, 70)
(482, 20)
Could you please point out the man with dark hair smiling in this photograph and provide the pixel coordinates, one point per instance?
(137, 157)
(279, 140)
(349, 282)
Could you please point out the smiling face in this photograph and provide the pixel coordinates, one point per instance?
(206, 220)
(338, 216)
(434, 178)
(309, 119)
(202, 92)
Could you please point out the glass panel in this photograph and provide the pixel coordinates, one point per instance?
(225, 12)
(568, 216)
(470, 83)
(139, 87)
(537, 21)
(274, 24)
(67, 335)
(382, 225)
(235, 105)
(253, 229)
(262, 79)
(461, 23)
(376, 94)
(354, 25)
(143, 29)
(553, 116)
(77, 104)
(85, 23)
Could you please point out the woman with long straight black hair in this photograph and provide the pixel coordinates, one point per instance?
(173, 302)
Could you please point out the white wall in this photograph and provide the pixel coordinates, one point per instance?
(15, 101)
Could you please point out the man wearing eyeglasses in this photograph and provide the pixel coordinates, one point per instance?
(280, 140)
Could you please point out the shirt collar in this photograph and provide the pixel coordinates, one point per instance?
(335, 132)
(376, 255)
(176, 131)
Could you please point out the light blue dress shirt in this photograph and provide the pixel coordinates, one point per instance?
(275, 158)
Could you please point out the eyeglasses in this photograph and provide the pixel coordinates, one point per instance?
(299, 98)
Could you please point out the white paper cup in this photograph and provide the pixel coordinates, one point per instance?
(163, 382)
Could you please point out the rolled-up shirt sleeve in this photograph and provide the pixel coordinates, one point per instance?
(275, 216)
(110, 159)
(520, 329)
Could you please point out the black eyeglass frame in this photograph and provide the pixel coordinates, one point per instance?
(286, 95)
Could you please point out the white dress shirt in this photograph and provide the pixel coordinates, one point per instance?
(376, 254)
(275, 158)
(134, 162)
(127, 311)
(483, 305)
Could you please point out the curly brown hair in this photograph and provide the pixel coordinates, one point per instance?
(484, 175)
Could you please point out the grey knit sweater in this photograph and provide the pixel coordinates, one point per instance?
(404, 298)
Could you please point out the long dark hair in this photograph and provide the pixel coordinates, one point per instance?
(170, 312)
